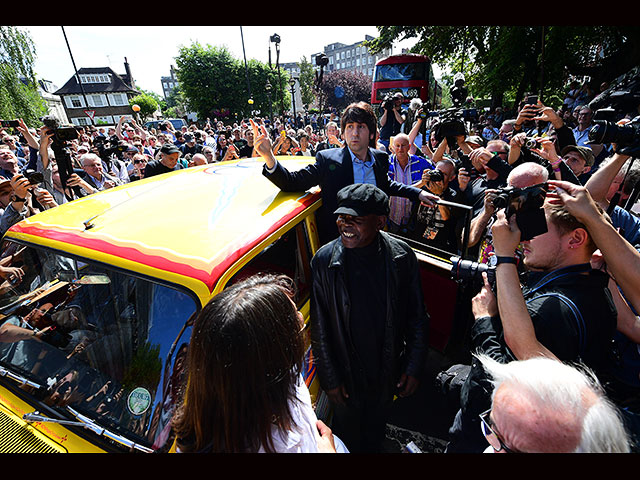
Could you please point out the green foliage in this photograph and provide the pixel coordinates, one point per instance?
(147, 104)
(215, 84)
(307, 76)
(145, 368)
(19, 97)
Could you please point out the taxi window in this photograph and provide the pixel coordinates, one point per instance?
(290, 255)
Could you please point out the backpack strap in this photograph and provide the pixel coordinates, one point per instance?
(579, 320)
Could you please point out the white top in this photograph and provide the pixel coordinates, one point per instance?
(303, 436)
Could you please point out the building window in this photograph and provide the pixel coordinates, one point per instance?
(118, 99)
(95, 78)
(97, 100)
(74, 101)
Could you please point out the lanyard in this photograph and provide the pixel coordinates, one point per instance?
(562, 272)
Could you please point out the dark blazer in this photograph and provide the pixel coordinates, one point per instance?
(332, 171)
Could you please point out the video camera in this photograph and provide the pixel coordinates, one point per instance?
(620, 100)
(388, 102)
(451, 123)
(110, 146)
(62, 135)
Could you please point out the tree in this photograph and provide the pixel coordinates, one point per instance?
(343, 87)
(19, 97)
(214, 83)
(509, 61)
(306, 79)
(147, 104)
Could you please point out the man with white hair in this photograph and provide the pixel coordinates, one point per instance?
(541, 405)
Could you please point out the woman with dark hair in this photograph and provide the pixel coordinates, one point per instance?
(245, 391)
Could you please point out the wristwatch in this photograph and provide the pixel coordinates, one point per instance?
(495, 260)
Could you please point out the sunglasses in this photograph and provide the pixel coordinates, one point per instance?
(487, 427)
(139, 161)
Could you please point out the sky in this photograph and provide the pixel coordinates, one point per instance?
(150, 50)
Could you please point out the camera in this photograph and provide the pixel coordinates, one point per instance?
(62, 135)
(9, 123)
(35, 178)
(621, 99)
(452, 124)
(109, 146)
(470, 272)
(526, 203)
(435, 175)
(388, 102)
(530, 143)
(605, 131)
(61, 132)
(322, 60)
(531, 100)
(459, 92)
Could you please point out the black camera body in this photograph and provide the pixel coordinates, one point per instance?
(452, 124)
(470, 273)
(62, 135)
(388, 103)
(621, 99)
(526, 203)
(109, 146)
(626, 137)
(435, 175)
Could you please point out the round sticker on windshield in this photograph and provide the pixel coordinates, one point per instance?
(139, 401)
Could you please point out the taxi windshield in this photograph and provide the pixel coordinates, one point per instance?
(107, 344)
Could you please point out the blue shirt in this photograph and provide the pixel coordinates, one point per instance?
(363, 171)
(416, 163)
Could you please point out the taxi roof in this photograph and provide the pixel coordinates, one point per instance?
(187, 226)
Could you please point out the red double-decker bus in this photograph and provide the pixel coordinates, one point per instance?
(409, 74)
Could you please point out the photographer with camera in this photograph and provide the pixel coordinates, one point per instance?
(438, 226)
(27, 199)
(562, 310)
(493, 172)
(392, 118)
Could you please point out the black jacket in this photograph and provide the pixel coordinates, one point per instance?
(332, 171)
(406, 325)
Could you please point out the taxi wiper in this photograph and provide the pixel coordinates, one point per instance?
(4, 372)
(86, 422)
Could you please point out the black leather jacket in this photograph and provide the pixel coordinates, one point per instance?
(406, 325)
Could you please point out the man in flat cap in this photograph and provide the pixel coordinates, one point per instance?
(168, 161)
(369, 324)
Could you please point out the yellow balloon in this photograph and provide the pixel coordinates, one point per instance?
(136, 108)
(250, 101)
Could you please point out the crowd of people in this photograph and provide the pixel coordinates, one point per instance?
(564, 289)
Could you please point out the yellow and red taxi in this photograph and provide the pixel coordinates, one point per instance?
(108, 288)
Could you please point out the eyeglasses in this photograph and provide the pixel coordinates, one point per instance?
(486, 425)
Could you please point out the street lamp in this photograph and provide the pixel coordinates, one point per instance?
(292, 84)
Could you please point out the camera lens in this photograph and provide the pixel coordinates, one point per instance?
(608, 132)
